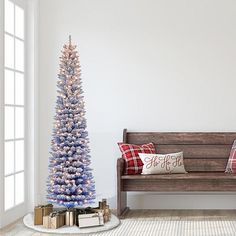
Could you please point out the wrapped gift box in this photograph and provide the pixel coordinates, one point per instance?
(89, 220)
(70, 217)
(105, 209)
(55, 220)
(47, 222)
(81, 211)
(40, 211)
(107, 213)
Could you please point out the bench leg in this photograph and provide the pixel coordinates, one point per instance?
(121, 195)
(122, 208)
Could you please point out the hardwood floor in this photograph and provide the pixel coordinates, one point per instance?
(18, 229)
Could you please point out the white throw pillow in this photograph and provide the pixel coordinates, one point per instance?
(171, 163)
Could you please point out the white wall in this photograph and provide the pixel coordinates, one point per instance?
(153, 65)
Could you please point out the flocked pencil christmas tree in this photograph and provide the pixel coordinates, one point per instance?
(70, 181)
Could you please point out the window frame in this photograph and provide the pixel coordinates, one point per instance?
(31, 165)
(15, 70)
(1, 108)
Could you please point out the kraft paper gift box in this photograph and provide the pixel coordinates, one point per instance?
(47, 222)
(57, 220)
(40, 211)
(102, 204)
(89, 220)
(107, 213)
(105, 210)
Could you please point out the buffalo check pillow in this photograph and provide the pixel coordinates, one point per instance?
(134, 164)
(231, 165)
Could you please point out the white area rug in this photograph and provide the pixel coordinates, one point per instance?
(174, 228)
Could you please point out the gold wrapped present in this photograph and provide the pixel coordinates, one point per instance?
(105, 210)
(104, 203)
(57, 220)
(70, 217)
(107, 213)
(40, 211)
(47, 222)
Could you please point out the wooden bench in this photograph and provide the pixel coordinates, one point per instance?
(205, 158)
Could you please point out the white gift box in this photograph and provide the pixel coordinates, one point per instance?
(89, 220)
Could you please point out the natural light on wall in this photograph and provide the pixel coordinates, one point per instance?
(14, 109)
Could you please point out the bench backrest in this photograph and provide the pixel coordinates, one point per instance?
(203, 151)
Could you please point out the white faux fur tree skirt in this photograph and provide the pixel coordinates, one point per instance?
(29, 222)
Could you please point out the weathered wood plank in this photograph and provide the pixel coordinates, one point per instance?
(205, 165)
(196, 151)
(180, 185)
(193, 175)
(179, 138)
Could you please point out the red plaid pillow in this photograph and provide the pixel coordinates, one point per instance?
(134, 164)
(231, 166)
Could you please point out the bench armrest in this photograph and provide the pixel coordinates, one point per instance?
(120, 166)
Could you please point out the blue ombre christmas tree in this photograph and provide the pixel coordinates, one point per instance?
(70, 182)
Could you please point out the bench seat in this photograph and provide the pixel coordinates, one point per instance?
(189, 182)
(192, 175)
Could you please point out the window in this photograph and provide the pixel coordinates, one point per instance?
(14, 105)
